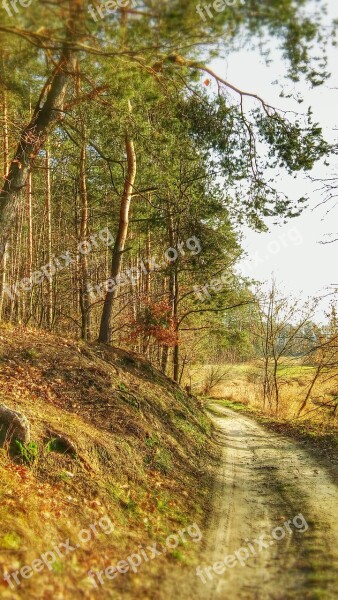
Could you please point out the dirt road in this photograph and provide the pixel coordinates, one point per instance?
(275, 512)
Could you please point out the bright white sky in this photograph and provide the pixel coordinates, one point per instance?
(292, 252)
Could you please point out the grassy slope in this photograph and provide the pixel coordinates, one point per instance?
(142, 448)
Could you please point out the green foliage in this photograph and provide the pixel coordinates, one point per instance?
(121, 386)
(65, 476)
(59, 446)
(31, 354)
(177, 554)
(58, 567)
(11, 541)
(204, 159)
(163, 461)
(152, 441)
(28, 453)
(190, 429)
(293, 146)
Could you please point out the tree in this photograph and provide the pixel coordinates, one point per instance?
(200, 166)
(105, 327)
(281, 323)
(47, 111)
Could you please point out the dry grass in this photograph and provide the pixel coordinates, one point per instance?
(142, 447)
(244, 385)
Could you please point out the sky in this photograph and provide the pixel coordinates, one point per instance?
(293, 253)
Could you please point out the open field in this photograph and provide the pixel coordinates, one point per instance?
(243, 383)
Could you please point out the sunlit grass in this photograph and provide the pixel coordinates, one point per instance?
(243, 387)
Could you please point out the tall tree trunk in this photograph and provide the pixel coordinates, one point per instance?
(171, 286)
(84, 276)
(5, 131)
(16, 262)
(29, 264)
(105, 327)
(147, 277)
(176, 354)
(29, 269)
(5, 173)
(48, 109)
(50, 281)
(146, 336)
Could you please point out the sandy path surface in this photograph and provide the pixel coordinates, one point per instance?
(265, 482)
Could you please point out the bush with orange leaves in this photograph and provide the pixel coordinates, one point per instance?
(155, 321)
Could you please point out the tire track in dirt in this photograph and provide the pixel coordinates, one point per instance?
(263, 482)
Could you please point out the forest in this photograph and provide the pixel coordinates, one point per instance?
(147, 380)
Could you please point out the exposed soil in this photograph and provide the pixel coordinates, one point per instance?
(264, 481)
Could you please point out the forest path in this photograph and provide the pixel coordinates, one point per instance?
(264, 481)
